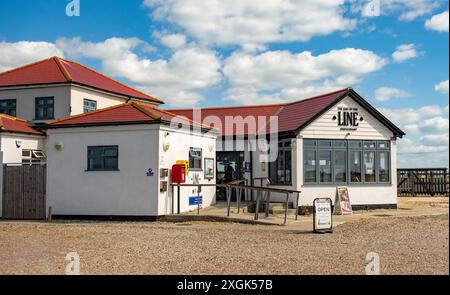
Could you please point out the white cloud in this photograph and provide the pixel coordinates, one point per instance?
(387, 93)
(436, 124)
(410, 115)
(407, 10)
(404, 52)
(174, 41)
(438, 22)
(178, 80)
(20, 53)
(435, 139)
(282, 75)
(252, 24)
(442, 87)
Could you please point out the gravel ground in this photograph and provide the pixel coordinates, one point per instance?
(406, 245)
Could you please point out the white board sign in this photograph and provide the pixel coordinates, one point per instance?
(323, 220)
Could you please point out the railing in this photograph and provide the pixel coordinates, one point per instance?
(422, 182)
(239, 189)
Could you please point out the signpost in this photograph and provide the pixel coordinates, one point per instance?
(322, 217)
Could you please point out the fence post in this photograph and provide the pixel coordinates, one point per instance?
(228, 192)
(198, 200)
(296, 206)
(257, 205)
(286, 209)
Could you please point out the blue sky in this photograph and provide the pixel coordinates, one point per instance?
(209, 53)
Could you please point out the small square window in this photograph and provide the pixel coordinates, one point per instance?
(195, 158)
(89, 105)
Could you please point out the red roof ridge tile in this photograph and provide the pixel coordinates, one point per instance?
(62, 68)
(70, 117)
(111, 79)
(13, 118)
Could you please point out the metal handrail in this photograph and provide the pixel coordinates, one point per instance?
(230, 186)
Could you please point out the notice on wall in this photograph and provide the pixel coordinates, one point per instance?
(323, 220)
(342, 203)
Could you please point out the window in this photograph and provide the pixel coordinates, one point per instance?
(346, 161)
(383, 167)
(355, 166)
(340, 166)
(281, 169)
(369, 167)
(8, 107)
(195, 158)
(30, 157)
(103, 158)
(325, 166)
(309, 163)
(44, 108)
(89, 105)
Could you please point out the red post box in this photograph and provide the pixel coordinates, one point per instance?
(179, 173)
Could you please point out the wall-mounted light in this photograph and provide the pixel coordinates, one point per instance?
(210, 146)
(59, 146)
(18, 143)
(166, 142)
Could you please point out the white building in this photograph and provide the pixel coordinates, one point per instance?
(335, 139)
(111, 162)
(110, 149)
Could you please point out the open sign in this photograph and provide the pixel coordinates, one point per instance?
(322, 215)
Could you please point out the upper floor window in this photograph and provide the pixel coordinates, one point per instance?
(8, 107)
(89, 105)
(45, 108)
(195, 158)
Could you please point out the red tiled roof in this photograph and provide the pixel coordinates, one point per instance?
(129, 112)
(16, 125)
(295, 114)
(58, 70)
(290, 116)
(263, 111)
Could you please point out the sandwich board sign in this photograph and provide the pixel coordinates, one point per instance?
(342, 204)
(322, 215)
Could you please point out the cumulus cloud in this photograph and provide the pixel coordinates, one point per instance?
(404, 52)
(282, 75)
(252, 24)
(407, 10)
(442, 87)
(20, 53)
(174, 41)
(178, 80)
(387, 93)
(438, 22)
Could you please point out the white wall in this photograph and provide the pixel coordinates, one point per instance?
(326, 127)
(103, 99)
(71, 190)
(13, 154)
(25, 98)
(180, 142)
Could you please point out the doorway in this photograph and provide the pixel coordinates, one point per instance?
(230, 167)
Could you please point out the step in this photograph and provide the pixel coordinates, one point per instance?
(273, 207)
(281, 211)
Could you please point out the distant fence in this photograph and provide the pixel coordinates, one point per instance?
(423, 182)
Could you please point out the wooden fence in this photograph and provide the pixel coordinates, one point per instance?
(24, 191)
(423, 182)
